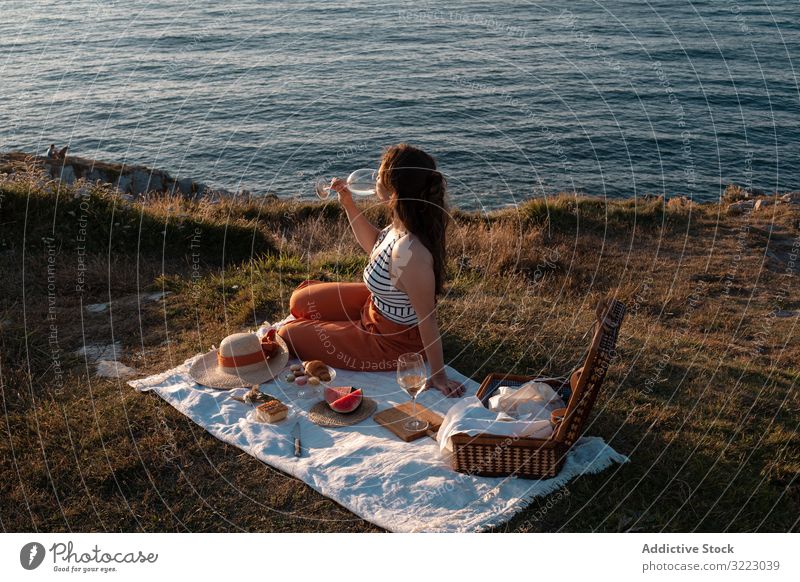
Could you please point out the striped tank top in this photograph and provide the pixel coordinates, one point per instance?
(388, 299)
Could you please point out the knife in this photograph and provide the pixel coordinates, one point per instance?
(296, 436)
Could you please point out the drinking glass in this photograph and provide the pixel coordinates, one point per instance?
(361, 183)
(412, 377)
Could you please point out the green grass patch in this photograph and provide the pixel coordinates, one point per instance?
(565, 213)
(93, 219)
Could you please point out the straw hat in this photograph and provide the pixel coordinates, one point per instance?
(242, 360)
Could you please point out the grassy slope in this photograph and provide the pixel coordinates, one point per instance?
(703, 396)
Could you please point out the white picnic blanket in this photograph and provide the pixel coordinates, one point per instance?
(402, 487)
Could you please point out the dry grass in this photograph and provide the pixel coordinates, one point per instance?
(703, 397)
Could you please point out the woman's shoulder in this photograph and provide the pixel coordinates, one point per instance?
(409, 248)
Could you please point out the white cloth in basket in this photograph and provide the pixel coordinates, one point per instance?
(531, 401)
(520, 412)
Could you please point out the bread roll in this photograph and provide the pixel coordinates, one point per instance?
(316, 368)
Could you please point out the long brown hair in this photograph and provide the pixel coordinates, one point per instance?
(418, 200)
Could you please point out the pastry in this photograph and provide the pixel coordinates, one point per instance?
(318, 371)
(272, 411)
(316, 368)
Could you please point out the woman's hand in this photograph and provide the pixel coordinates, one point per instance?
(342, 189)
(450, 388)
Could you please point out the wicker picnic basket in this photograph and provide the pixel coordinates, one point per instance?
(497, 456)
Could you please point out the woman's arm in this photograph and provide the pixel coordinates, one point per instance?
(412, 266)
(366, 234)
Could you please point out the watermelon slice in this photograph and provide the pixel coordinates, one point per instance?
(333, 393)
(343, 399)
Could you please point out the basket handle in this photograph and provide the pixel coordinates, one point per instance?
(587, 381)
(575, 378)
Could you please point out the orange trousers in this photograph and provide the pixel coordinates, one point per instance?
(338, 324)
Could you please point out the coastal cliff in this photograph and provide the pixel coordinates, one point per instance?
(97, 283)
(133, 180)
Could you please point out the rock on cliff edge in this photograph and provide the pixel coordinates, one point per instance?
(134, 180)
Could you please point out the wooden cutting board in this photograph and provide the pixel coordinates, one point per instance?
(394, 419)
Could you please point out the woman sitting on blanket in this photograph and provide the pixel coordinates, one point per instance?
(367, 325)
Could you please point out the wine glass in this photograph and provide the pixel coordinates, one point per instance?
(412, 377)
(361, 183)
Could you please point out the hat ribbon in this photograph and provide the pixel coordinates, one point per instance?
(247, 359)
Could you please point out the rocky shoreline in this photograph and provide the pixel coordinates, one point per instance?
(136, 181)
(741, 200)
(131, 180)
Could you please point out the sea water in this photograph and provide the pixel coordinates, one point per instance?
(514, 99)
